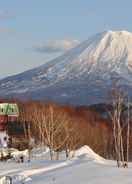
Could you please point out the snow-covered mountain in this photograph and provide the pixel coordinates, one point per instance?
(82, 75)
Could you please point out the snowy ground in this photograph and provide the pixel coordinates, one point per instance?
(85, 168)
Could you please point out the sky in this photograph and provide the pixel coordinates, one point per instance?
(35, 31)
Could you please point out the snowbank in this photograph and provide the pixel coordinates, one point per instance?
(17, 154)
(85, 168)
(87, 153)
(40, 152)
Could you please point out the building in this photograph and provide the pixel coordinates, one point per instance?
(8, 113)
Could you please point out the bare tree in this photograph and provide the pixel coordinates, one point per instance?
(56, 130)
(25, 118)
(118, 98)
(128, 132)
(51, 125)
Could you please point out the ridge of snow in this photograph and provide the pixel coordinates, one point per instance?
(87, 153)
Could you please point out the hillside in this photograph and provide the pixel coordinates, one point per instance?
(83, 75)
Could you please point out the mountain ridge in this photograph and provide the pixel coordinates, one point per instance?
(81, 72)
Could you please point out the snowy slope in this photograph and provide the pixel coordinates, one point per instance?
(82, 72)
(79, 170)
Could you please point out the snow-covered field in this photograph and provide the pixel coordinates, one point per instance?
(85, 168)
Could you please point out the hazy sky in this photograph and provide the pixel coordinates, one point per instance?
(33, 31)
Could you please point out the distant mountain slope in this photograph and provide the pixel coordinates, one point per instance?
(82, 75)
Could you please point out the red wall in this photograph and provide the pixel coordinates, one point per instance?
(4, 119)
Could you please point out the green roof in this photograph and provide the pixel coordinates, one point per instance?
(9, 109)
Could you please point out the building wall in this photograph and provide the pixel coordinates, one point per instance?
(3, 139)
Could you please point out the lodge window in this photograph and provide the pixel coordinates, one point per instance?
(11, 110)
(2, 110)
